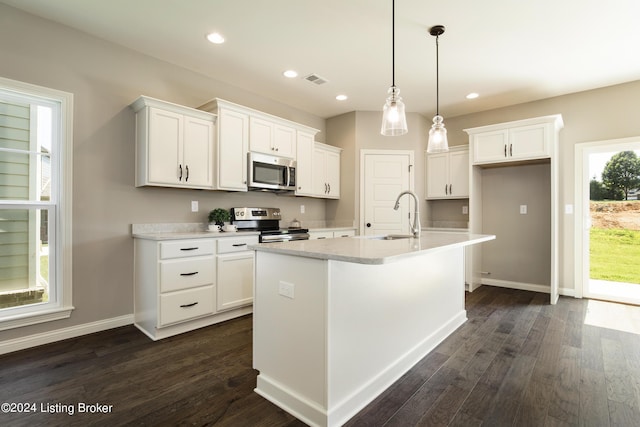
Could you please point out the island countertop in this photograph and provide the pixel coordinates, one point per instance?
(373, 249)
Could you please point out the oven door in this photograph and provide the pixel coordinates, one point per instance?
(271, 172)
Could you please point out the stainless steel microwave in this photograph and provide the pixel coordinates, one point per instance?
(273, 173)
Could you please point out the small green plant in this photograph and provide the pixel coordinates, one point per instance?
(219, 216)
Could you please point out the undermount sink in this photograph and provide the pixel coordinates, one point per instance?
(392, 237)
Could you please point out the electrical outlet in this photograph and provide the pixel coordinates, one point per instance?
(286, 289)
(523, 209)
(194, 206)
(465, 210)
(301, 208)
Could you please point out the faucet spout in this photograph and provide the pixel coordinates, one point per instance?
(415, 227)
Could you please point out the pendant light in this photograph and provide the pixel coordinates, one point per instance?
(438, 133)
(394, 121)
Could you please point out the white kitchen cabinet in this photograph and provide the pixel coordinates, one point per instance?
(511, 142)
(232, 149)
(448, 174)
(269, 137)
(523, 147)
(330, 233)
(177, 283)
(174, 145)
(326, 171)
(234, 272)
(304, 164)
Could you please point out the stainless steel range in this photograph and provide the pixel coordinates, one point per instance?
(267, 222)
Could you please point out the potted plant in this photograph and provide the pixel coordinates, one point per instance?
(219, 216)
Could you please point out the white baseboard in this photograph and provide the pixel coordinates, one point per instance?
(34, 340)
(527, 287)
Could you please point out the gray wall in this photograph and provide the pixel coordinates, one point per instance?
(105, 79)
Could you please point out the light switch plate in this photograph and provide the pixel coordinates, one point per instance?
(523, 209)
(286, 289)
(568, 209)
(194, 206)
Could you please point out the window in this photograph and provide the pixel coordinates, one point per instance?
(35, 204)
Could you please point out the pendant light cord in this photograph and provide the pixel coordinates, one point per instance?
(437, 79)
(393, 43)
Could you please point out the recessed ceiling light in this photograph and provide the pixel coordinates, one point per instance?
(291, 74)
(215, 38)
(341, 97)
(472, 95)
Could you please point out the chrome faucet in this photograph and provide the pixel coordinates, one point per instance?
(415, 228)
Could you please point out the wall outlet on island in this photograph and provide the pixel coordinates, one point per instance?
(286, 289)
(301, 208)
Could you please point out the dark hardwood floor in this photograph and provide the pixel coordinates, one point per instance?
(518, 361)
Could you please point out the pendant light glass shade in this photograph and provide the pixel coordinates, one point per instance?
(438, 136)
(438, 133)
(394, 121)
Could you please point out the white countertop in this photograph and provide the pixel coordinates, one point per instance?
(193, 235)
(364, 250)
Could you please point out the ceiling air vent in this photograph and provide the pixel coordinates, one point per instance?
(314, 78)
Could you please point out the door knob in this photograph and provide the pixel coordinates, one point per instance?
(368, 224)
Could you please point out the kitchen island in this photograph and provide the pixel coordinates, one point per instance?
(337, 321)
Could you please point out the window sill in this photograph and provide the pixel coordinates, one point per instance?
(32, 318)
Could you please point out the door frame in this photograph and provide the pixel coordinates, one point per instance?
(363, 154)
(581, 199)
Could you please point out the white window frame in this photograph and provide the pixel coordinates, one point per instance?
(60, 215)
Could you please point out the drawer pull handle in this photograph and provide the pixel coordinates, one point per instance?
(239, 244)
(189, 249)
(189, 305)
(189, 274)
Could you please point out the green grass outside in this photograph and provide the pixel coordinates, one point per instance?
(615, 255)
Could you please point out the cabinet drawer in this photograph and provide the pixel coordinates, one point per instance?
(235, 244)
(187, 248)
(186, 273)
(344, 233)
(185, 305)
(320, 235)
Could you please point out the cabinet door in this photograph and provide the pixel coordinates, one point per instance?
(234, 280)
(284, 141)
(490, 147)
(260, 135)
(459, 174)
(332, 173)
(198, 153)
(529, 142)
(304, 169)
(233, 146)
(437, 175)
(165, 147)
(320, 187)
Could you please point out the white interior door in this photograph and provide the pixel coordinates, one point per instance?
(384, 175)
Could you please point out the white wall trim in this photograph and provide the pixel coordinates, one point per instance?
(34, 340)
(545, 289)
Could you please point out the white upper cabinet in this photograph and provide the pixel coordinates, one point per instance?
(174, 145)
(266, 136)
(232, 149)
(522, 140)
(448, 174)
(326, 171)
(304, 167)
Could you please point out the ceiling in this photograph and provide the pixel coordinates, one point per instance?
(508, 51)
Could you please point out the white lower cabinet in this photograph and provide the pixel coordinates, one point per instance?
(235, 272)
(330, 234)
(181, 285)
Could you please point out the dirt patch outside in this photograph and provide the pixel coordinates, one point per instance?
(623, 214)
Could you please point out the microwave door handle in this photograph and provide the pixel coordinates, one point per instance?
(288, 176)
